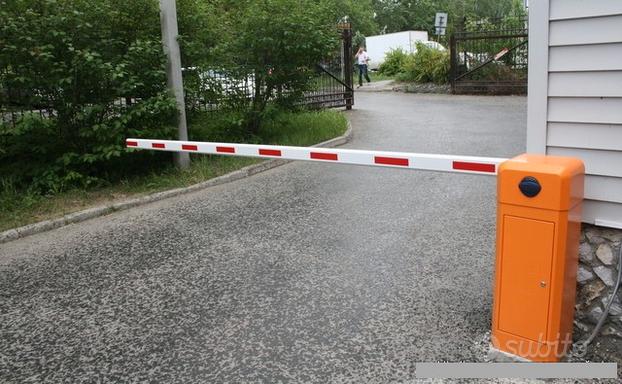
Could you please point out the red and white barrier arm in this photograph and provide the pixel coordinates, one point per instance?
(421, 161)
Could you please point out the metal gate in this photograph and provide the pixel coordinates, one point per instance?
(214, 88)
(490, 57)
(332, 88)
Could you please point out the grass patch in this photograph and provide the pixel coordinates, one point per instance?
(303, 129)
(287, 128)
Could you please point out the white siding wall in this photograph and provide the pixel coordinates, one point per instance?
(575, 94)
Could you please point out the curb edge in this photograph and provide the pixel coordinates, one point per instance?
(102, 210)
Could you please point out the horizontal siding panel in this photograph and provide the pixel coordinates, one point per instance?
(598, 57)
(564, 9)
(603, 163)
(602, 213)
(593, 30)
(580, 135)
(592, 84)
(585, 110)
(603, 188)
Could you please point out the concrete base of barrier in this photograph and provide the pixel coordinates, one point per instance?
(498, 356)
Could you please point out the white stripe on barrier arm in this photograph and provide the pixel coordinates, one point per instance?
(420, 161)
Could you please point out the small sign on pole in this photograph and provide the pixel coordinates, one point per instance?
(440, 23)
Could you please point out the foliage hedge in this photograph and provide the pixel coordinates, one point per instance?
(84, 75)
(77, 77)
(394, 62)
(426, 65)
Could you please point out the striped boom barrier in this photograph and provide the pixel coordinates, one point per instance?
(539, 202)
(419, 161)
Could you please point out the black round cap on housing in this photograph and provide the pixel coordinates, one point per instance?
(530, 186)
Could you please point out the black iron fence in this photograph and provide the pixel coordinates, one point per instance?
(212, 89)
(329, 84)
(209, 90)
(15, 107)
(331, 89)
(490, 58)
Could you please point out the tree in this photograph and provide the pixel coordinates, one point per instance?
(359, 12)
(397, 15)
(95, 70)
(278, 43)
(201, 28)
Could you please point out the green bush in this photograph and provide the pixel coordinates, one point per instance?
(219, 126)
(77, 77)
(496, 72)
(394, 62)
(85, 75)
(278, 43)
(427, 65)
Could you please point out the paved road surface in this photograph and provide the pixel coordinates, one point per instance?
(307, 273)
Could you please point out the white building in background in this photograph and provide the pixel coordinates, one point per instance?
(378, 46)
(575, 95)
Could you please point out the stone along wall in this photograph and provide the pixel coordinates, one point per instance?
(597, 274)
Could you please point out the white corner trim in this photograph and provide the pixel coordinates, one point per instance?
(537, 101)
(608, 223)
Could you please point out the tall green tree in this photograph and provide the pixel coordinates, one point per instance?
(201, 29)
(359, 12)
(95, 68)
(398, 15)
(278, 43)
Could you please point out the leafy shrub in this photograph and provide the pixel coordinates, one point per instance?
(502, 76)
(497, 71)
(394, 62)
(280, 57)
(84, 75)
(219, 126)
(77, 77)
(427, 65)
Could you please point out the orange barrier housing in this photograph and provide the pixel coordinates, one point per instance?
(538, 229)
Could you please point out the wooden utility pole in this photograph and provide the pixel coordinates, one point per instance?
(168, 22)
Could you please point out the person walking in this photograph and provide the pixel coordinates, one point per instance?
(362, 60)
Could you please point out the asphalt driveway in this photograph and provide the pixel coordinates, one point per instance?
(306, 273)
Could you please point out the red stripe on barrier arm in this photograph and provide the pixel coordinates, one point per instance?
(225, 149)
(477, 167)
(131, 144)
(391, 161)
(324, 156)
(158, 145)
(189, 147)
(269, 152)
